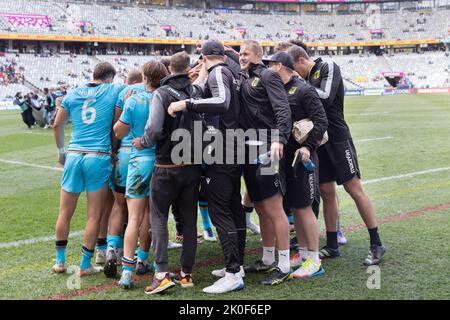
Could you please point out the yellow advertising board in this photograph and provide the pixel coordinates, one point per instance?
(67, 38)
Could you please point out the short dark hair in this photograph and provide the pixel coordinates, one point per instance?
(165, 62)
(297, 52)
(299, 43)
(155, 71)
(180, 62)
(103, 71)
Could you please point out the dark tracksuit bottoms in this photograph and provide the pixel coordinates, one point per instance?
(223, 192)
(170, 185)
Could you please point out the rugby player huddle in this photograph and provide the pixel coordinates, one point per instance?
(291, 145)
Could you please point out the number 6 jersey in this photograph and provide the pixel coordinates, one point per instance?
(91, 111)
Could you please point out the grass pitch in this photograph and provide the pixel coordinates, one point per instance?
(403, 139)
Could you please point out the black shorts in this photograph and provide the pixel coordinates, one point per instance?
(301, 186)
(338, 162)
(263, 186)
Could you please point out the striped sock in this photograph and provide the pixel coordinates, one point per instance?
(128, 264)
(101, 244)
(205, 215)
(60, 249)
(142, 256)
(86, 256)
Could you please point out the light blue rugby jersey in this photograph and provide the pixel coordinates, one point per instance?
(137, 88)
(135, 114)
(91, 110)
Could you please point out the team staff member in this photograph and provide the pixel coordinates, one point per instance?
(223, 180)
(87, 166)
(264, 105)
(171, 182)
(338, 159)
(300, 183)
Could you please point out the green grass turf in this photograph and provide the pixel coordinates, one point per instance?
(416, 265)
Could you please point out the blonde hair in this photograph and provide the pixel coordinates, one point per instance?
(254, 45)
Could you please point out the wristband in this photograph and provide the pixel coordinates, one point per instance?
(61, 150)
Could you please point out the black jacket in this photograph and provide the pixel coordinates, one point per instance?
(305, 103)
(326, 77)
(219, 96)
(264, 104)
(160, 124)
(233, 63)
(220, 104)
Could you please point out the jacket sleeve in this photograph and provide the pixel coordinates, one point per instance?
(233, 56)
(331, 77)
(280, 105)
(154, 126)
(314, 109)
(220, 91)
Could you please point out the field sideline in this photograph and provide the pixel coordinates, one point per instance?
(404, 154)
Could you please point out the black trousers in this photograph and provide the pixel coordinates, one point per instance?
(170, 185)
(27, 117)
(176, 216)
(223, 192)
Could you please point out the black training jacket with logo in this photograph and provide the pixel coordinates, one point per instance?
(305, 103)
(264, 103)
(219, 97)
(326, 78)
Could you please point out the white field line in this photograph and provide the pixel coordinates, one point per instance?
(80, 232)
(406, 175)
(38, 133)
(36, 240)
(20, 163)
(367, 113)
(373, 139)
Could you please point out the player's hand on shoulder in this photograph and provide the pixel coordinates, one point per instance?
(175, 107)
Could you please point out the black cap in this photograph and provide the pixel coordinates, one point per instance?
(282, 57)
(213, 47)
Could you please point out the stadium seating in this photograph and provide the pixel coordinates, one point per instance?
(53, 70)
(198, 24)
(431, 69)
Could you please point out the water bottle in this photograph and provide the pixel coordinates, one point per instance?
(309, 165)
(263, 158)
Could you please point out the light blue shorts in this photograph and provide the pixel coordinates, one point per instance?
(86, 172)
(139, 174)
(121, 170)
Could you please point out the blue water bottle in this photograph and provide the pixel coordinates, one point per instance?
(263, 158)
(309, 165)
